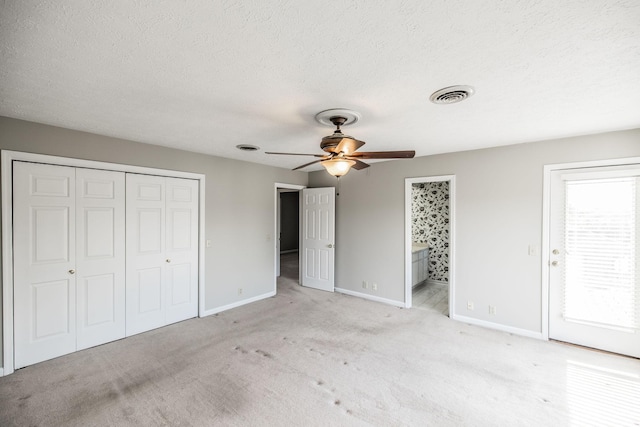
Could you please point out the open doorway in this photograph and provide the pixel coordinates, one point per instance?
(287, 233)
(429, 215)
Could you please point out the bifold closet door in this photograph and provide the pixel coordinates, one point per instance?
(162, 251)
(68, 247)
(44, 289)
(100, 252)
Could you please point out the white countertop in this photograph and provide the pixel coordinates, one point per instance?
(416, 247)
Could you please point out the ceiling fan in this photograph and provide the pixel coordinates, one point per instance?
(341, 149)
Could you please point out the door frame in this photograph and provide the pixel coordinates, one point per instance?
(6, 174)
(546, 226)
(408, 289)
(276, 226)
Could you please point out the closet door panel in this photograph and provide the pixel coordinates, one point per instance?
(44, 262)
(100, 224)
(145, 242)
(181, 271)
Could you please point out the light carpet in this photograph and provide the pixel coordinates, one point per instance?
(308, 357)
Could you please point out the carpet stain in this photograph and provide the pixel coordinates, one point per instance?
(240, 349)
(336, 402)
(313, 350)
(345, 363)
(264, 354)
(319, 382)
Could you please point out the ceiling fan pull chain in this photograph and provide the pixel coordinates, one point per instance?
(338, 187)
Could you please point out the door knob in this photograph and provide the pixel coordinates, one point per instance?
(554, 263)
(168, 260)
(72, 272)
(330, 246)
(555, 252)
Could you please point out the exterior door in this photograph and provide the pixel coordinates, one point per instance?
(100, 251)
(44, 262)
(162, 251)
(594, 294)
(318, 239)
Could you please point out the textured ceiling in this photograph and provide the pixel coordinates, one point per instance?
(204, 75)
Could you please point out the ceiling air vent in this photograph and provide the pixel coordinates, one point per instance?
(247, 147)
(451, 94)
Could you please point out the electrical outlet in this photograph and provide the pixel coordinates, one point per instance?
(374, 286)
(365, 285)
(492, 309)
(239, 291)
(470, 305)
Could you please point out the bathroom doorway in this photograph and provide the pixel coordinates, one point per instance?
(429, 237)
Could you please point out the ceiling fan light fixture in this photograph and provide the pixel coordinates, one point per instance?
(338, 167)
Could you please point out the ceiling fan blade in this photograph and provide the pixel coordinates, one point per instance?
(296, 154)
(359, 165)
(348, 145)
(407, 154)
(308, 164)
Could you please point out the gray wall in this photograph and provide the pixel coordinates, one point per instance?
(498, 215)
(239, 200)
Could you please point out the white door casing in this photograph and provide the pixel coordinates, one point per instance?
(100, 251)
(318, 238)
(586, 329)
(44, 262)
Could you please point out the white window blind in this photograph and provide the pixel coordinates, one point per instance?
(601, 250)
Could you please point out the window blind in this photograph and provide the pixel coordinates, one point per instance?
(601, 248)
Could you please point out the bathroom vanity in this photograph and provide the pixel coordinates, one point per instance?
(419, 263)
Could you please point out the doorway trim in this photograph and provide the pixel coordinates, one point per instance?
(276, 223)
(408, 183)
(6, 173)
(546, 226)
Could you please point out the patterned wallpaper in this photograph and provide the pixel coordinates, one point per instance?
(430, 225)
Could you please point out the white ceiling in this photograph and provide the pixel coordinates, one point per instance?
(204, 75)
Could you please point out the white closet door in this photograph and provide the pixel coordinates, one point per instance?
(145, 253)
(100, 272)
(162, 251)
(181, 272)
(44, 262)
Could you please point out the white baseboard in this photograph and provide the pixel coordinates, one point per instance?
(1, 372)
(370, 297)
(498, 326)
(437, 282)
(237, 304)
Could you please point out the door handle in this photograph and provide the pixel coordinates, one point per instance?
(555, 252)
(554, 263)
(330, 246)
(72, 271)
(168, 260)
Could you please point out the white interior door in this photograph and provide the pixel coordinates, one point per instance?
(145, 253)
(44, 262)
(100, 251)
(594, 293)
(318, 238)
(181, 270)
